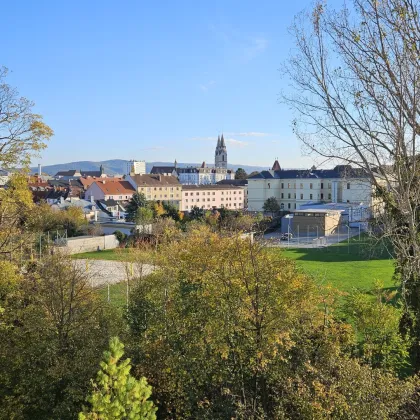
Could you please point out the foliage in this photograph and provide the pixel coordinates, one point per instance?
(137, 200)
(346, 104)
(144, 216)
(196, 213)
(121, 237)
(241, 174)
(271, 205)
(15, 205)
(172, 212)
(52, 327)
(22, 133)
(116, 394)
(45, 219)
(227, 330)
(377, 323)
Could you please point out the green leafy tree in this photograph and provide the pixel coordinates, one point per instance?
(376, 321)
(225, 329)
(196, 213)
(241, 174)
(271, 205)
(22, 133)
(137, 201)
(53, 329)
(116, 394)
(253, 173)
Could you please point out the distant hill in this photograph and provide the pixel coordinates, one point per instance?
(119, 166)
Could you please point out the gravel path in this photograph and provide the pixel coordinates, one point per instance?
(103, 272)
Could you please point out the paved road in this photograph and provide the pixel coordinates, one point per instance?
(102, 272)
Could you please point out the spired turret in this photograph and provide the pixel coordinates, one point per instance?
(220, 155)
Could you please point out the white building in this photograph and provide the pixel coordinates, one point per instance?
(294, 188)
(136, 167)
(203, 174)
(110, 189)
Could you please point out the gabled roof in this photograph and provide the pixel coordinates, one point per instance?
(340, 171)
(155, 180)
(235, 182)
(161, 170)
(115, 187)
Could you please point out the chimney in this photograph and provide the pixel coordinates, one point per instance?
(39, 169)
(160, 178)
(92, 199)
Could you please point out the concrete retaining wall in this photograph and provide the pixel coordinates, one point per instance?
(89, 243)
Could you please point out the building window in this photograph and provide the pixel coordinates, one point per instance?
(295, 196)
(348, 185)
(289, 195)
(269, 186)
(288, 185)
(295, 206)
(329, 185)
(288, 205)
(329, 196)
(301, 186)
(322, 185)
(301, 196)
(282, 195)
(322, 196)
(311, 185)
(282, 185)
(197, 193)
(186, 207)
(186, 200)
(186, 194)
(310, 196)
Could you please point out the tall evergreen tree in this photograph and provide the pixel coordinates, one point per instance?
(117, 394)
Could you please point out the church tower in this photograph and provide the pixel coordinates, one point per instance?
(220, 156)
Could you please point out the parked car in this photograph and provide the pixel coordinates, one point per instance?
(286, 236)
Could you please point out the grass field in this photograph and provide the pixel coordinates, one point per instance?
(344, 266)
(118, 254)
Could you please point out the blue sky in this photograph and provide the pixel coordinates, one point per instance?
(155, 80)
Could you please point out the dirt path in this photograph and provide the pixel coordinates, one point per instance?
(104, 272)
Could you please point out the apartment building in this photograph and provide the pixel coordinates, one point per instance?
(110, 189)
(294, 188)
(212, 197)
(157, 187)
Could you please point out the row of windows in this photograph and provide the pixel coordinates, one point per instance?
(149, 197)
(311, 185)
(148, 189)
(208, 199)
(289, 196)
(213, 193)
(209, 206)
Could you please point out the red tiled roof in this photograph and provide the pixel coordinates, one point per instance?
(115, 187)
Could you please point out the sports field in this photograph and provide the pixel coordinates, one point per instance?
(346, 266)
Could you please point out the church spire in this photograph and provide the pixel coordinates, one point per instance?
(218, 141)
(222, 142)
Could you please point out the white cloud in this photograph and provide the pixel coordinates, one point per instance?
(236, 143)
(204, 139)
(153, 148)
(249, 46)
(248, 134)
(256, 46)
(206, 86)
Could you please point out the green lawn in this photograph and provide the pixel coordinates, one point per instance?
(118, 254)
(345, 266)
